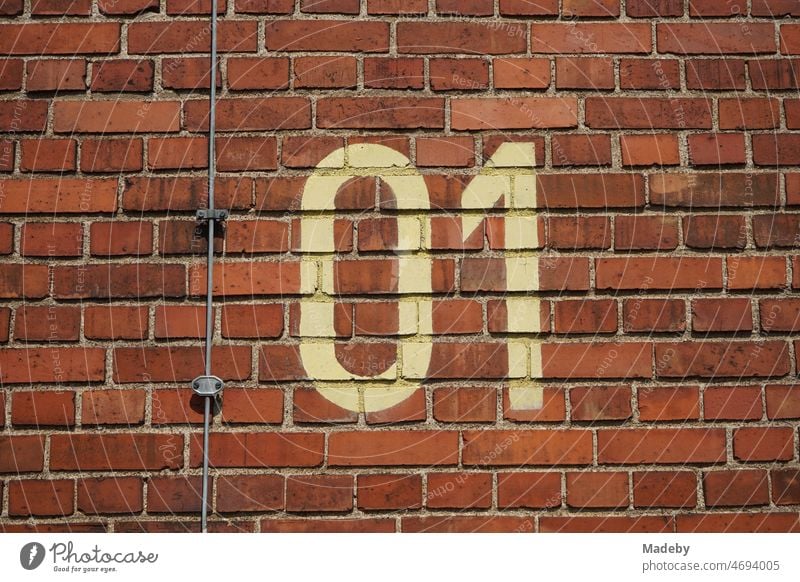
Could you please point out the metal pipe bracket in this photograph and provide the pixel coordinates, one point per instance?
(208, 386)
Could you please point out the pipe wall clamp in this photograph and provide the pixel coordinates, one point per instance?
(209, 386)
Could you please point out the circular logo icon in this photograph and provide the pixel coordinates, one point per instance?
(31, 555)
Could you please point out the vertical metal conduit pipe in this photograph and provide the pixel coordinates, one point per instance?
(208, 386)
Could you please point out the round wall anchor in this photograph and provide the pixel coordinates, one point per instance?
(207, 385)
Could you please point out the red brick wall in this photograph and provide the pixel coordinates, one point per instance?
(665, 210)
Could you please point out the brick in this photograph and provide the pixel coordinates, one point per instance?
(329, 493)
(749, 113)
(660, 446)
(393, 448)
(325, 73)
(178, 363)
(189, 73)
(722, 315)
(513, 113)
(714, 38)
(184, 193)
(738, 522)
(308, 151)
(531, 447)
(580, 150)
(521, 73)
(12, 72)
(56, 75)
(122, 75)
(304, 525)
(59, 38)
(21, 453)
(246, 406)
(596, 360)
(776, 230)
(62, 195)
(790, 39)
(394, 73)
(118, 452)
(645, 233)
(774, 73)
(659, 273)
(584, 73)
(109, 156)
(110, 407)
(115, 322)
(669, 403)
(600, 403)
(715, 74)
(746, 273)
(101, 281)
(187, 7)
(459, 74)
(716, 231)
(553, 407)
(590, 38)
(252, 321)
(717, 149)
(47, 155)
(180, 321)
(23, 115)
(457, 404)
(389, 491)
(597, 490)
(40, 498)
(671, 489)
(47, 323)
(262, 236)
(721, 360)
(43, 409)
(579, 232)
(653, 315)
(732, 403)
(327, 35)
(51, 239)
(776, 150)
(190, 37)
(127, 6)
(460, 37)
(458, 152)
(248, 279)
(238, 493)
(776, 8)
(648, 113)
(116, 116)
(465, 524)
(763, 444)
(779, 315)
(252, 114)
(459, 491)
(735, 488)
(309, 406)
(120, 238)
(264, 6)
(258, 450)
(596, 190)
(704, 8)
(525, 490)
(18, 281)
(110, 496)
(174, 495)
(590, 8)
(527, 8)
(380, 113)
(52, 365)
(783, 402)
(714, 190)
(650, 150)
(585, 316)
(652, 74)
(785, 486)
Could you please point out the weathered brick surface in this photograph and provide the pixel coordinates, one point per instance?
(491, 265)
